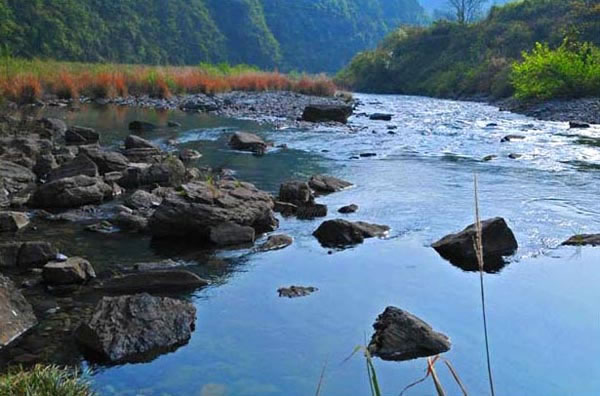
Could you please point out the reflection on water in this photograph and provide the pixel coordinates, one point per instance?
(248, 341)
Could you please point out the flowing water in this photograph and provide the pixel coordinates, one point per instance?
(543, 317)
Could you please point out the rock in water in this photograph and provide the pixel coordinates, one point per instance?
(323, 184)
(497, 239)
(153, 282)
(578, 125)
(141, 126)
(137, 328)
(309, 212)
(324, 113)
(348, 209)
(80, 135)
(12, 221)
(136, 142)
(583, 240)
(276, 242)
(201, 208)
(247, 142)
(16, 314)
(380, 117)
(74, 270)
(297, 193)
(342, 233)
(71, 192)
(399, 335)
(296, 291)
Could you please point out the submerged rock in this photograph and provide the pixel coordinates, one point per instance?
(152, 282)
(510, 138)
(247, 142)
(276, 242)
(498, 240)
(348, 209)
(578, 125)
(380, 117)
(399, 335)
(323, 184)
(327, 112)
(583, 240)
(16, 314)
(136, 328)
(201, 208)
(141, 126)
(73, 270)
(13, 221)
(342, 233)
(296, 291)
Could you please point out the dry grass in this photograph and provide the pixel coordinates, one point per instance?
(25, 81)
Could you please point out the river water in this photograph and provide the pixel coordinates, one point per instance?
(543, 316)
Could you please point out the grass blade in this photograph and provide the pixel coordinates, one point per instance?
(438, 385)
(456, 377)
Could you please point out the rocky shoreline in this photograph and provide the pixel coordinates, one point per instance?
(584, 110)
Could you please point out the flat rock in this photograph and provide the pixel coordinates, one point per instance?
(247, 142)
(399, 335)
(74, 270)
(81, 135)
(276, 242)
(327, 112)
(16, 314)
(498, 240)
(152, 282)
(342, 233)
(583, 240)
(136, 328)
(296, 291)
(323, 184)
(107, 161)
(13, 221)
(72, 192)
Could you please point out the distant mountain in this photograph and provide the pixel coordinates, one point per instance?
(303, 35)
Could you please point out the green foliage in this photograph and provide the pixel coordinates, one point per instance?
(571, 70)
(308, 35)
(450, 60)
(44, 381)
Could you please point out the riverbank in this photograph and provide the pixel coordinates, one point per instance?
(586, 110)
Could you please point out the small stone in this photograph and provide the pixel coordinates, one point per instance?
(296, 291)
(348, 209)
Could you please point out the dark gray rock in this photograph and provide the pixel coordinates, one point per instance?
(323, 184)
(510, 138)
(515, 156)
(80, 135)
(16, 314)
(578, 125)
(498, 240)
(342, 233)
(9, 253)
(72, 192)
(136, 328)
(187, 155)
(80, 165)
(142, 200)
(200, 208)
(327, 112)
(490, 157)
(130, 222)
(583, 240)
(296, 291)
(247, 142)
(152, 282)
(35, 254)
(106, 161)
(57, 127)
(13, 221)
(285, 208)
(312, 211)
(136, 142)
(173, 124)
(74, 270)
(231, 234)
(380, 117)
(399, 335)
(348, 209)
(276, 242)
(296, 192)
(14, 177)
(44, 164)
(141, 126)
(170, 172)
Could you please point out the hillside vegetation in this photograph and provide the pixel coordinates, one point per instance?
(453, 60)
(305, 35)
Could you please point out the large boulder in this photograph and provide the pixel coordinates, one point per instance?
(12, 221)
(35, 254)
(80, 165)
(74, 270)
(152, 282)
(201, 209)
(247, 142)
(106, 161)
(231, 234)
(137, 328)
(170, 172)
(498, 241)
(323, 184)
(142, 200)
(327, 112)
(16, 314)
(15, 177)
(80, 135)
(72, 192)
(296, 192)
(399, 335)
(342, 233)
(136, 142)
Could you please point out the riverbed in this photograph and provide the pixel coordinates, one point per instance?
(414, 173)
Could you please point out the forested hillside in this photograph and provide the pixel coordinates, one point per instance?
(454, 60)
(305, 35)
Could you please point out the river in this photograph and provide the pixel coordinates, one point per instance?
(543, 316)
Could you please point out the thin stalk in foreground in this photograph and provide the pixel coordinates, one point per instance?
(479, 253)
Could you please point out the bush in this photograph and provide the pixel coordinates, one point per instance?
(570, 71)
(44, 381)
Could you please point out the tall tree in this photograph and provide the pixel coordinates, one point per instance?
(466, 10)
